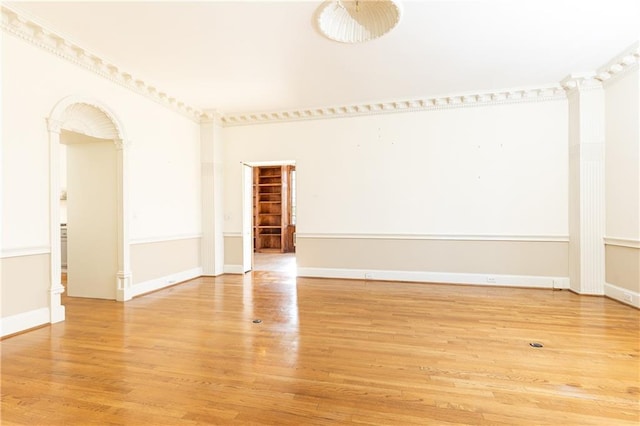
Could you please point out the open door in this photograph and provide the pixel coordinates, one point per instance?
(247, 218)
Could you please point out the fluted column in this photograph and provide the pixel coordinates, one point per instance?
(212, 243)
(586, 184)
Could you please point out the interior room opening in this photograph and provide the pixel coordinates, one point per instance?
(274, 217)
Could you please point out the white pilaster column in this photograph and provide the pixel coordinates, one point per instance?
(56, 309)
(124, 290)
(211, 151)
(586, 184)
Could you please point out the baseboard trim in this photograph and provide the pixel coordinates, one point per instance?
(439, 277)
(438, 237)
(24, 321)
(233, 269)
(166, 281)
(623, 295)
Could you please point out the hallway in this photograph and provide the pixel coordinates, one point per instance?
(275, 262)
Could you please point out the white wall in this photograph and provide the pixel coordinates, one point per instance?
(491, 174)
(622, 186)
(493, 170)
(622, 156)
(163, 159)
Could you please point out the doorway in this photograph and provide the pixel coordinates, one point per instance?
(270, 216)
(95, 150)
(91, 215)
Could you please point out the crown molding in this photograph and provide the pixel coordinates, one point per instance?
(580, 81)
(17, 23)
(212, 116)
(507, 96)
(624, 62)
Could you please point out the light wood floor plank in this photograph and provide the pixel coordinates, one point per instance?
(328, 352)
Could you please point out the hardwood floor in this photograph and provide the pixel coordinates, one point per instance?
(275, 262)
(328, 352)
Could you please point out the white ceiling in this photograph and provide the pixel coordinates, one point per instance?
(243, 56)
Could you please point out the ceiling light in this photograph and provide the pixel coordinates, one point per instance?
(355, 21)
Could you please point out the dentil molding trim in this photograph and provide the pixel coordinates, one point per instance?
(580, 81)
(409, 105)
(616, 67)
(18, 24)
(620, 64)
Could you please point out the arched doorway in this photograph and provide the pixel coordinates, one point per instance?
(90, 122)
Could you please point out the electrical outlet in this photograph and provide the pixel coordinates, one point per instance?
(627, 297)
(491, 279)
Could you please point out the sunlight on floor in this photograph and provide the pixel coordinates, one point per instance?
(276, 262)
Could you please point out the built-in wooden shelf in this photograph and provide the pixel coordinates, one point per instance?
(271, 209)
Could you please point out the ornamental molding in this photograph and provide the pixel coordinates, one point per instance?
(580, 82)
(90, 120)
(19, 25)
(624, 62)
(54, 126)
(508, 96)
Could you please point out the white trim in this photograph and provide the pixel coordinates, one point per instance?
(438, 277)
(622, 242)
(269, 163)
(26, 27)
(25, 251)
(526, 238)
(551, 92)
(620, 65)
(19, 23)
(24, 321)
(232, 234)
(166, 281)
(622, 295)
(233, 269)
(618, 75)
(163, 239)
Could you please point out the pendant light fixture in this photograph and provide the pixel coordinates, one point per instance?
(356, 21)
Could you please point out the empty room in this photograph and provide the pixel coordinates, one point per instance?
(310, 212)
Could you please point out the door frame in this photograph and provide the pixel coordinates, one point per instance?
(247, 210)
(88, 117)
